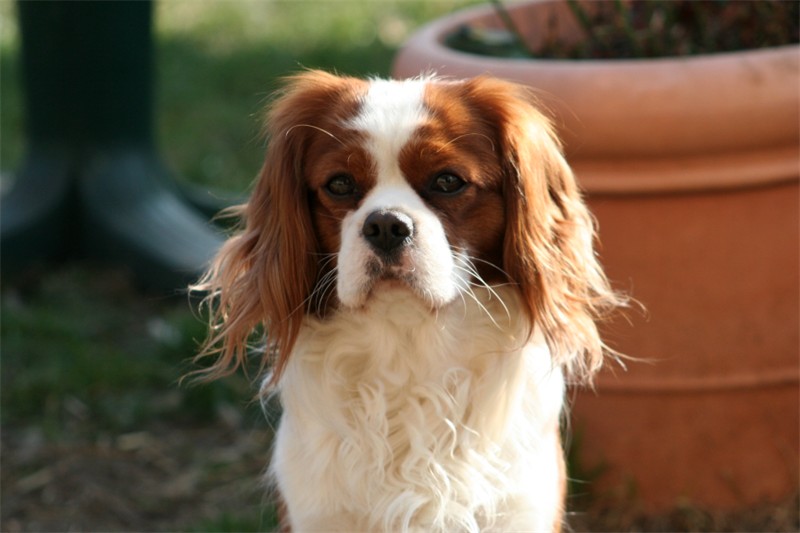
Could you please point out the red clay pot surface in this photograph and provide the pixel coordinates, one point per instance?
(691, 166)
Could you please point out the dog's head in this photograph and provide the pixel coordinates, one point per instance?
(429, 185)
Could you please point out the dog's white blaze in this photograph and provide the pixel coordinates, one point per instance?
(390, 113)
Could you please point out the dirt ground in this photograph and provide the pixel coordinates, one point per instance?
(163, 479)
(209, 478)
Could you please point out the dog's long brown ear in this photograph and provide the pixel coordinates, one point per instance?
(263, 276)
(548, 246)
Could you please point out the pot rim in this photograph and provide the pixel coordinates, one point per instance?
(483, 11)
(656, 116)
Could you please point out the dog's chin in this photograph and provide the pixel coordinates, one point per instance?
(392, 287)
(390, 283)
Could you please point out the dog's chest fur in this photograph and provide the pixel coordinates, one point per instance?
(397, 417)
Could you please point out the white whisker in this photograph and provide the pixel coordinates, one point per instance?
(451, 141)
(475, 279)
(322, 287)
(313, 127)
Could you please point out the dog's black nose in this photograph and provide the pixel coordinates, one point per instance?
(387, 230)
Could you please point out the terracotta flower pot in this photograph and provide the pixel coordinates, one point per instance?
(691, 167)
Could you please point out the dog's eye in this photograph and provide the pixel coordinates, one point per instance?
(341, 185)
(447, 183)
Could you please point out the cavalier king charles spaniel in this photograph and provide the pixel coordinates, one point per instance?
(422, 263)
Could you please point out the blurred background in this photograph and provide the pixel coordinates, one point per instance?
(97, 432)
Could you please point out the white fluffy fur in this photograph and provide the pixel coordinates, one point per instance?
(403, 419)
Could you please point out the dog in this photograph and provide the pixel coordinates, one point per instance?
(420, 257)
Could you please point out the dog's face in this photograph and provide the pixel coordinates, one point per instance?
(426, 185)
(405, 191)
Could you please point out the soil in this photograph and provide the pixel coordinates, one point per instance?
(210, 478)
(163, 479)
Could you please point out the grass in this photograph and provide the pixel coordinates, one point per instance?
(90, 367)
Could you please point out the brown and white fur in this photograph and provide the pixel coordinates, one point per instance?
(422, 261)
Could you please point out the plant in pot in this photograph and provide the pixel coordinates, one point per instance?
(680, 120)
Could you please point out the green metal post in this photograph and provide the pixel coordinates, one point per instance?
(92, 182)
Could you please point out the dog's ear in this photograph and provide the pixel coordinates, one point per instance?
(262, 276)
(548, 245)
